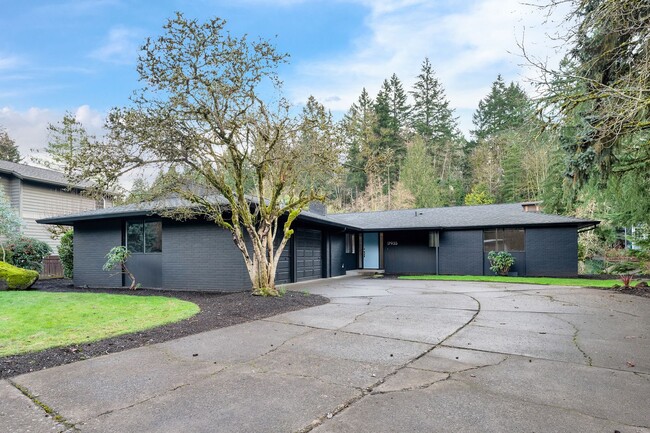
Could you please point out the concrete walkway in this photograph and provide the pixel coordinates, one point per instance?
(383, 356)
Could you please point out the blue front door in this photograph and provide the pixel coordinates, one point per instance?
(371, 250)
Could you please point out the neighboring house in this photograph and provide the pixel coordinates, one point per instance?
(37, 193)
(199, 255)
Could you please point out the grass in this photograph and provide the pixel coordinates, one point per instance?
(34, 321)
(548, 281)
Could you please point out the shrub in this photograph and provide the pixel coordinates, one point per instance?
(501, 262)
(28, 253)
(116, 258)
(15, 278)
(66, 253)
(625, 271)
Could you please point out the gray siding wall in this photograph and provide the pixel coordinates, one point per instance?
(461, 252)
(411, 255)
(92, 240)
(4, 185)
(200, 255)
(552, 251)
(15, 194)
(42, 201)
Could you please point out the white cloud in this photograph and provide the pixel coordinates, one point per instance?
(121, 46)
(468, 46)
(29, 128)
(9, 62)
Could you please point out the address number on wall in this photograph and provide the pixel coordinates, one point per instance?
(392, 243)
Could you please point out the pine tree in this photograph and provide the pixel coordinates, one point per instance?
(8, 149)
(505, 107)
(431, 117)
(397, 102)
(388, 132)
(358, 127)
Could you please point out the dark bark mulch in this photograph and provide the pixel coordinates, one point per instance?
(218, 310)
(641, 291)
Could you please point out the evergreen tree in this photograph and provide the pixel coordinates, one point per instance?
(397, 102)
(431, 117)
(505, 107)
(357, 128)
(317, 126)
(599, 96)
(8, 149)
(388, 133)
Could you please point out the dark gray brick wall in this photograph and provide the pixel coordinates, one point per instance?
(147, 269)
(552, 252)
(200, 255)
(461, 252)
(411, 255)
(92, 240)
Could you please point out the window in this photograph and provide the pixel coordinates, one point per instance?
(503, 240)
(144, 236)
(350, 244)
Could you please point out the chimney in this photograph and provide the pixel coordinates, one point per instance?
(532, 206)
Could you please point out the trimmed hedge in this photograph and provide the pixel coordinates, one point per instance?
(13, 278)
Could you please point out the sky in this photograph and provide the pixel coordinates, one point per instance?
(79, 56)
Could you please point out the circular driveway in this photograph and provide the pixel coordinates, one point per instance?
(382, 356)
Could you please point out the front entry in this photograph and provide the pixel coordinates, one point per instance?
(371, 250)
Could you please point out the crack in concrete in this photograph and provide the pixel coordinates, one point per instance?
(343, 406)
(55, 415)
(137, 403)
(574, 339)
(519, 400)
(412, 388)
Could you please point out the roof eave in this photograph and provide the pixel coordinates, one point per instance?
(68, 221)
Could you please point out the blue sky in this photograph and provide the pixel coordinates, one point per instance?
(79, 56)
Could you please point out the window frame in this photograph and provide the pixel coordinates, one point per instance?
(498, 242)
(143, 233)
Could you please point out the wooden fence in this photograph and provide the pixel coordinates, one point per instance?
(52, 267)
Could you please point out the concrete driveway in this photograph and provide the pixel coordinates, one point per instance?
(383, 356)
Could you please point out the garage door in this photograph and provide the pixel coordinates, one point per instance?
(308, 255)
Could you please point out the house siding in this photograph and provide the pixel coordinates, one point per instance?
(200, 255)
(4, 185)
(461, 252)
(92, 241)
(552, 252)
(15, 194)
(42, 201)
(408, 252)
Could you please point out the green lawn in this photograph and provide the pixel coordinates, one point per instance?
(580, 282)
(33, 321)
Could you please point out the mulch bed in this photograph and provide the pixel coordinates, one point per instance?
(218, 310)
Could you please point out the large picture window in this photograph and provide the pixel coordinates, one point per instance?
(503, 240)
(144, 236)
